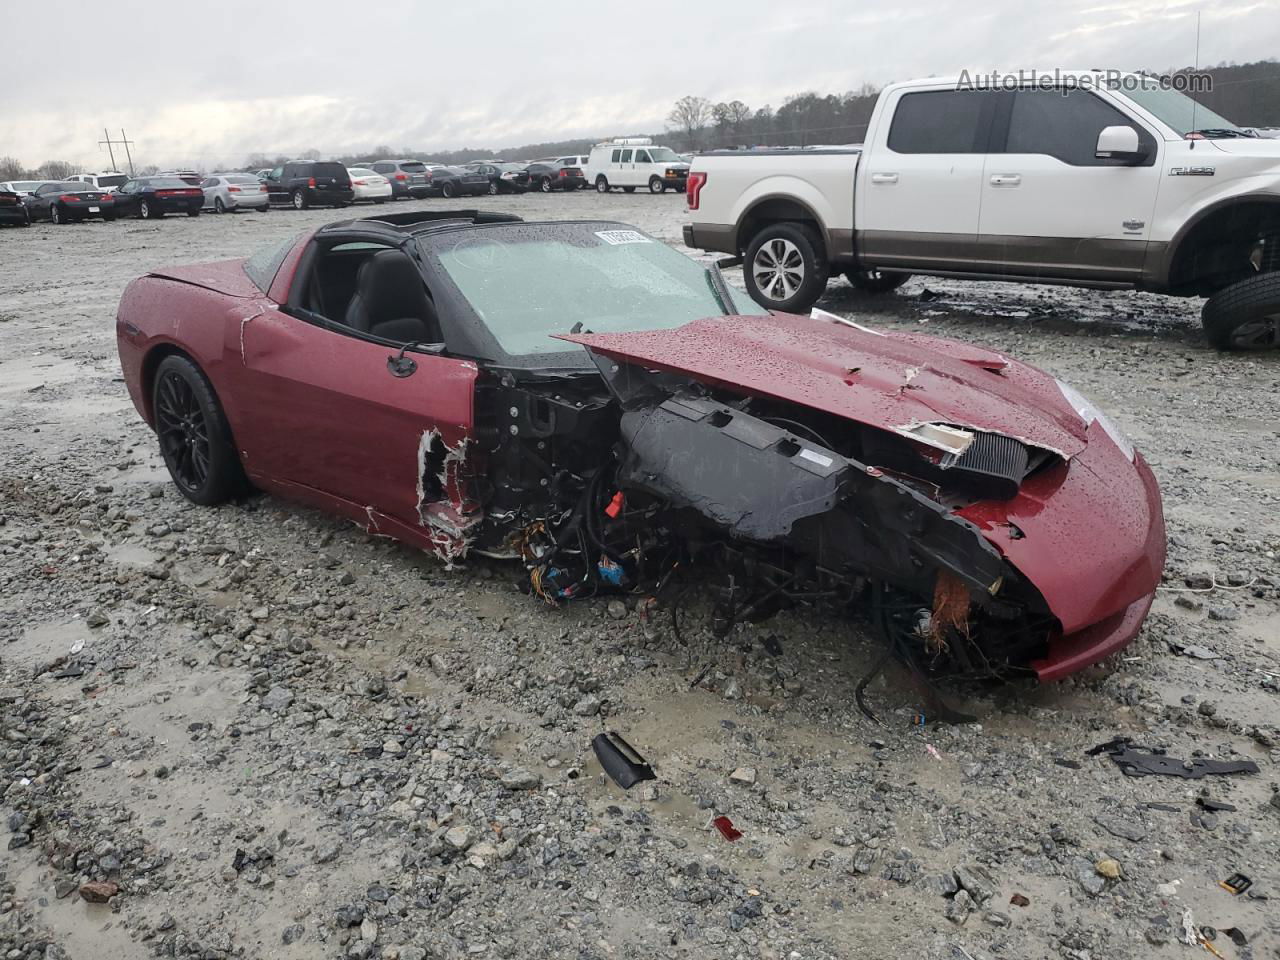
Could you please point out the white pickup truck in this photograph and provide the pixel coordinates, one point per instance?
(1088, 179)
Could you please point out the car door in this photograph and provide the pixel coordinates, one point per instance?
(276, 191)
(1050, 206)
(920, 180)
(124, 201)
(42, 199)
(329, 412)
(641, 168)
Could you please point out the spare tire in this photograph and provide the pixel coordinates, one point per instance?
(875, 281)
(1245, 315)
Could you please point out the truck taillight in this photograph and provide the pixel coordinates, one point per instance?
(693, 188)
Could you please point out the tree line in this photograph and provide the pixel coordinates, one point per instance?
(1248, 94)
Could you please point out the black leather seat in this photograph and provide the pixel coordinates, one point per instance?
(391, 301)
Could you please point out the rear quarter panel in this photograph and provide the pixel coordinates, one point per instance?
(823, 182)
(157, 315)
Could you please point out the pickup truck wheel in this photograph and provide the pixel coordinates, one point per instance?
(784, 269)
(875, 281)
(1245, 315)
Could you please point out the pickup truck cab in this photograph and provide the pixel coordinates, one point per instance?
(1096, 180)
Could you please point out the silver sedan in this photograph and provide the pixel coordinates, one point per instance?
(229, 192)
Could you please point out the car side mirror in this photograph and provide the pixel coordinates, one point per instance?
(1120, 143)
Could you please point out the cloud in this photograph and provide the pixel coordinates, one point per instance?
(205, 89)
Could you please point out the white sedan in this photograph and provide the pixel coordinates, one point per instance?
(368, 185)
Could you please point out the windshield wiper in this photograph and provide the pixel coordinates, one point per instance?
(1220, 133)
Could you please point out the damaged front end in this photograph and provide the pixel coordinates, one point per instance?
(977, 542)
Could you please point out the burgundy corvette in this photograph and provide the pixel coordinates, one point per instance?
(587, 400)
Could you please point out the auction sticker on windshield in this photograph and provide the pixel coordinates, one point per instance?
(617, 237)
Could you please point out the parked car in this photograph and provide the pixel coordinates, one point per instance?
(190, 177)
(105, 182)
(986, 516)
(153, 197)
(553, 176)
(1125, 185)
(308, 183)
(456, 182)
(635, 162)
(367, 185)
(409, 178)
(229, 192)
(23, 187)
(13, 207)
(263, 174)
(503, 177)
(64, 201)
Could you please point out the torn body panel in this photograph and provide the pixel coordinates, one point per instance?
(854, 374)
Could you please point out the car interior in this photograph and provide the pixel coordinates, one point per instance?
(375, 290)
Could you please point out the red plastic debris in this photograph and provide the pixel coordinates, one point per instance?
(726, 828)
(615, 506)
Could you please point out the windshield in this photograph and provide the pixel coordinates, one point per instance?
(112, 181)
(663, 155)
(361, 172)
(165, 183)
(26, 186)
(414, 167)
(241, 178)
(530, 282)
(1178, 111)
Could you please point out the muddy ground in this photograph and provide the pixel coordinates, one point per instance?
(258, 732)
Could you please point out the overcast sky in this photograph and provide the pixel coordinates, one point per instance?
(205, 86)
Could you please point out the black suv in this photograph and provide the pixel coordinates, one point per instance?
(305, 183)
(409, 178)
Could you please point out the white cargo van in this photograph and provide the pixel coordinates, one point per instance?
(632, 162)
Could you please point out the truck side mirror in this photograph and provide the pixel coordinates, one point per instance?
(1120, 143)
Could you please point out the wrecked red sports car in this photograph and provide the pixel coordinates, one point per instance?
(592, 402)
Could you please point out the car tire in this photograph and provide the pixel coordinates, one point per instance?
(55, 215)
(545, 184)
(146, 211)
(656, 185)
(493, 189)
(195, 440)
(108, 218)
(219, 206)
(193, 213)
(299, 200)
(1245, 315)
(796, 248)
(602, 184)
(27, 221)
(379, 200)
(875, 281)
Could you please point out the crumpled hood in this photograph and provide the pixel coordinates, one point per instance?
(225, 276)
(889, 381)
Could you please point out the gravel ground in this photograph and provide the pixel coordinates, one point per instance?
(257, 732)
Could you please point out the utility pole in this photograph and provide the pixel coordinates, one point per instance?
(110, 152)
(123, 141)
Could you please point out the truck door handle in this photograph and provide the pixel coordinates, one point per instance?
(884, 178)
(1006, 180)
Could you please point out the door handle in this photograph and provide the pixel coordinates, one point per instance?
(884, 178)
(1006, 179)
